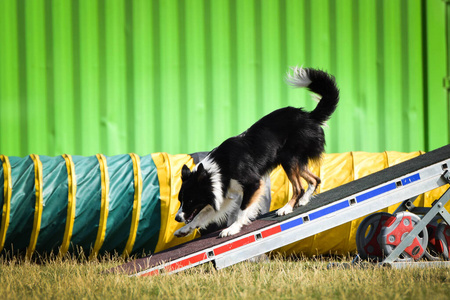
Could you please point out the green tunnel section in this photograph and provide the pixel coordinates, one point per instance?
(93, 204)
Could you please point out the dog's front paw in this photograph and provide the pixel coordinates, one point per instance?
(287, 209)
(232, 230)
(183, 231)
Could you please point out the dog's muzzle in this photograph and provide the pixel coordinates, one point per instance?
(179, 217)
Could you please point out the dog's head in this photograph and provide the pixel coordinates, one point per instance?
(196, 193)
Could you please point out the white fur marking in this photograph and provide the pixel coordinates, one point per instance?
(216, 179)
(244, 217)
(307, 195)
(287, 209)
(234, 190)
(180, 213)
(316, 98)
(233, 229)
(299, 78)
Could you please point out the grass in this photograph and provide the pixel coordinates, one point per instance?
(276, 278)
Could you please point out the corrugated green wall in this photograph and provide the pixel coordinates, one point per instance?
(117, 76)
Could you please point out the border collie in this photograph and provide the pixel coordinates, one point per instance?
(225, 187)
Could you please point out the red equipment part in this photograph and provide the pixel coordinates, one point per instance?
(396, 228)
(443, 239)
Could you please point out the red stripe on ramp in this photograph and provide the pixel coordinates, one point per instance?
(271, 231)
(186, 262)
(234, 245)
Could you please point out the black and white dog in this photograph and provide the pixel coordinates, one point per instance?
(226, 186)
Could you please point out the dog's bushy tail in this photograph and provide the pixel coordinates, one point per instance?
(318, 82)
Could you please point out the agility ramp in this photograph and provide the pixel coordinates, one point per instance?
(402, 182)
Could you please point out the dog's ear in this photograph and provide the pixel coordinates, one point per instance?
(200, 168)
(201, 173)
(185, 173)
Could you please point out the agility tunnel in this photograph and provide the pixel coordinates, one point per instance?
(126, 204)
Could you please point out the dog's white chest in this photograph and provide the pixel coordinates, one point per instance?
(234, 191)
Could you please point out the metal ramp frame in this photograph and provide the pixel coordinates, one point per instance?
(399, 183)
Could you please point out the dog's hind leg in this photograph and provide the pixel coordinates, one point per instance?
(249, 210)
(313, 183)
(294, 174)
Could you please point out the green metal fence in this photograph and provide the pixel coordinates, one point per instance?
(116, 76)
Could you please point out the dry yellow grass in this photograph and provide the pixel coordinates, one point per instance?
(277, 278)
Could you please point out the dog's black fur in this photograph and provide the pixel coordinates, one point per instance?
(227, 184)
